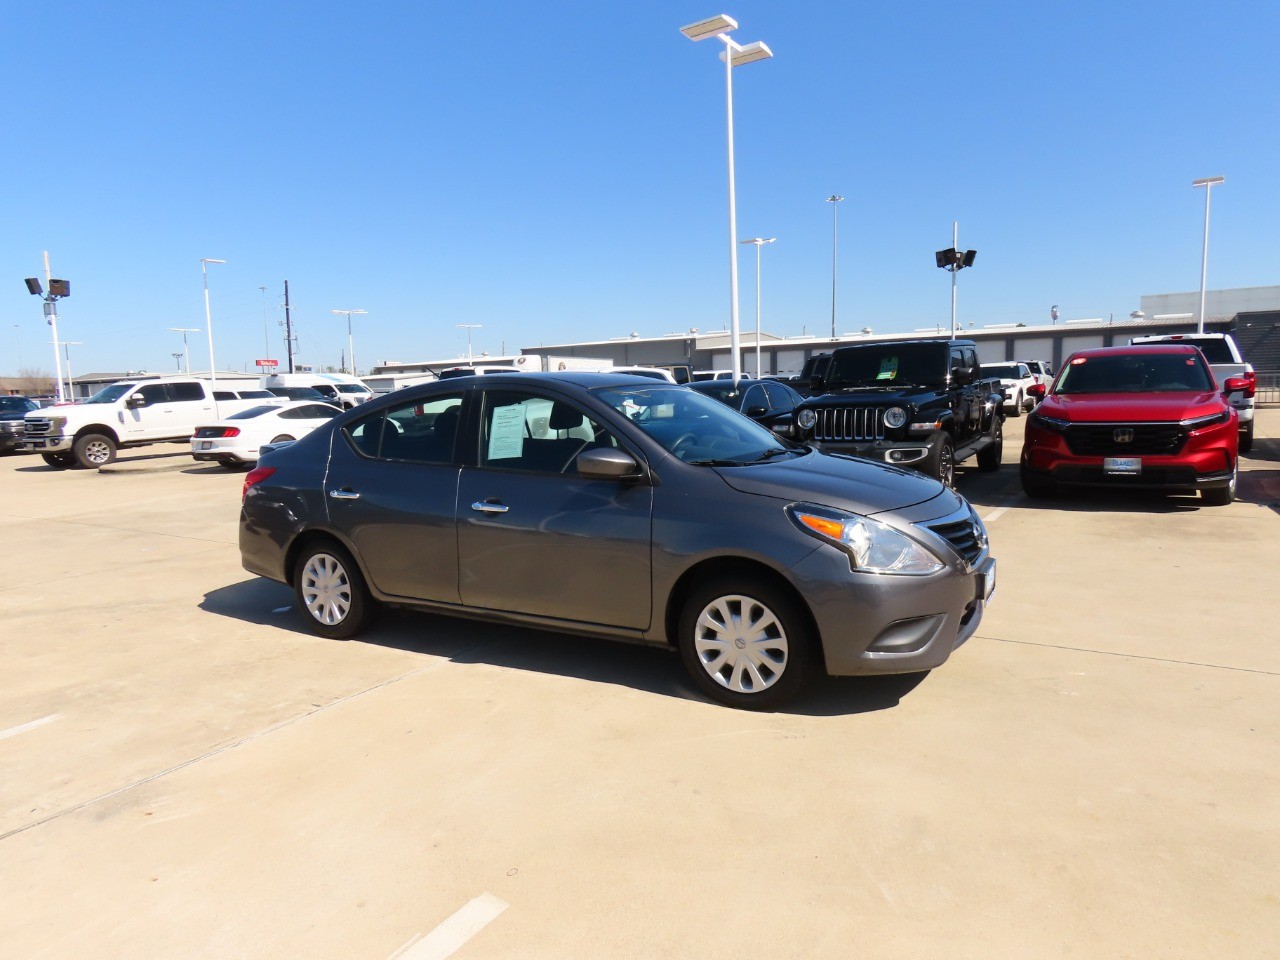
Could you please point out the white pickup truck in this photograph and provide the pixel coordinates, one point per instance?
(1226, 361)
(130, 413)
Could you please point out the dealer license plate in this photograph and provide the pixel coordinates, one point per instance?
(1122, 466)
(987, 580)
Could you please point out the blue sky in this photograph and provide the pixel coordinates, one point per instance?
(556, 171)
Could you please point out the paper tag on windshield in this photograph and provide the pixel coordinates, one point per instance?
(888, 368)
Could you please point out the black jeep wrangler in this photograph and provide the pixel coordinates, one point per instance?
(910, 403)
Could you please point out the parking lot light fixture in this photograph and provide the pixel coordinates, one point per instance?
(954, 260)
(834, 200)
(208, 317)
(469, 327)
(185, 355)
(759, 242)
(1208, 183)
(351, 350)
(57, 290)
(733, 55)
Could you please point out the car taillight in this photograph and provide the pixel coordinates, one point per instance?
(255, 476)
(231, 432)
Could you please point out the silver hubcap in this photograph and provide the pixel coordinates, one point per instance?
(326, 590)
(97, 452)
(741, 644)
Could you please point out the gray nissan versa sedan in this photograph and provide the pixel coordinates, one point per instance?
(620, 507)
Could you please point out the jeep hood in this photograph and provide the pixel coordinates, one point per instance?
(846, 483)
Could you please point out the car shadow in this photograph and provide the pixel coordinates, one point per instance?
(652, 670)
(1263, 449)
(1098, 500)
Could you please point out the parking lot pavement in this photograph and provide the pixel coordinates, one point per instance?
(188, 773)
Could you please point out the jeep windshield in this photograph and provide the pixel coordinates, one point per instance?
(1136, 373)
(888, 365)
(112, 393)
(696, 428)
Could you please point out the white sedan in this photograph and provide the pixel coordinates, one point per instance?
(235, 441)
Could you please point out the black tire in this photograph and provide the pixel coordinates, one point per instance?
(989, 457)
(772, 669)
(1246, 437)
(941, 461)
(1037, 487)
(1017, 405)
(1222, 495)
(59, 461)
(94, 450)
(330, 590)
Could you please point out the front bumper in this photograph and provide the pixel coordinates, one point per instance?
(48, 444)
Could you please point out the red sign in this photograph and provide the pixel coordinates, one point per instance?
(268, 363)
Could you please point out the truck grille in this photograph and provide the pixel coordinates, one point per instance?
(37, 427)
(1149, 439)
(849, 423)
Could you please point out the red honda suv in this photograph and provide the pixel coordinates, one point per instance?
(1136, 416)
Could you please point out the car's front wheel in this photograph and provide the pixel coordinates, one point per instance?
(1222, 495)
(941, 462)
(745, 644)
(331, 592)
(94, 450)
(989, 457)
(1017, 405)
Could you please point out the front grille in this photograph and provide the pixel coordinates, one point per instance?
(963, 537)
(37, 426)
(849, 423)
(1148, 439)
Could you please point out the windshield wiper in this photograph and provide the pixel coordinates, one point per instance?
(714, 463)
(771, 453)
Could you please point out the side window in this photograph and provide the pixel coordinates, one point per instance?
(223, 395)
(317, 411)
(523, 431)
(421, 431)
(155, 393)
(754, 397)
(970, 357)
(187, 391)
(780, 398)
(957, 357)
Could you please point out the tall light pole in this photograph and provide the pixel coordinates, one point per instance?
(57, 290)
(351, 349)
(177, 357)
(1208, 184)
(468, 327)
(734, 55)
(834, 200)
(66, 349)
(759, 242)
(208, 317)
(184, 331)
(955, 260)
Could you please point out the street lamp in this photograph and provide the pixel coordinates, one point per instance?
(208, 317)
(734, 55)
(1207, 183)
(57, 290)
(954, 260)
(177, 358)
(834, 200)
(469, 327)
(184, 331)
(351, 350)
(759, 242)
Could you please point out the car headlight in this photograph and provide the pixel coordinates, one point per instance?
(1199, 423)
(895, 417)
(806, 419)
(1049, 423)
(873, 547)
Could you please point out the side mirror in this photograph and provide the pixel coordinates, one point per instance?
(1236, 385)
(754, 412)
(1037, 390)
(608, 464)
(136, 400)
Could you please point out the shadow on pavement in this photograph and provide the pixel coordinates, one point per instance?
(649, 669)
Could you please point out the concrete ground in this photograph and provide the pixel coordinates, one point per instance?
(186, 772)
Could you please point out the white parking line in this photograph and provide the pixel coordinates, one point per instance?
(24, 727)
(453, 933)
(995, 514)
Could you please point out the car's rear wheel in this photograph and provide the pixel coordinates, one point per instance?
(331, 592)
(93, 450)
(59, 461)
(1246, 437)
(745, 643)
(1222, 495)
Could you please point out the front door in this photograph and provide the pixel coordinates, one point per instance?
(536, 538)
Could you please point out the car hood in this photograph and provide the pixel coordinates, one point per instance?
(1106, 407)
(900, 393)
(14, 414)
(833, 480)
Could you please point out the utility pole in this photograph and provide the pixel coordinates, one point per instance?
(288, 327)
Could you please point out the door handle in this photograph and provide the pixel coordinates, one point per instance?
(344, 494)
(484, 507)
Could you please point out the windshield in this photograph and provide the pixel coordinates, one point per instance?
(1135, 373)
(10, 404)
(888, 364)
(351, 388)
(695, 428)
(112, 393)
(252, 412)
(1005, 371)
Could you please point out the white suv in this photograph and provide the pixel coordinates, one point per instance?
(1226, 361)
(1016, 381)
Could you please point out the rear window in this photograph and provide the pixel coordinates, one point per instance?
(251, 413)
